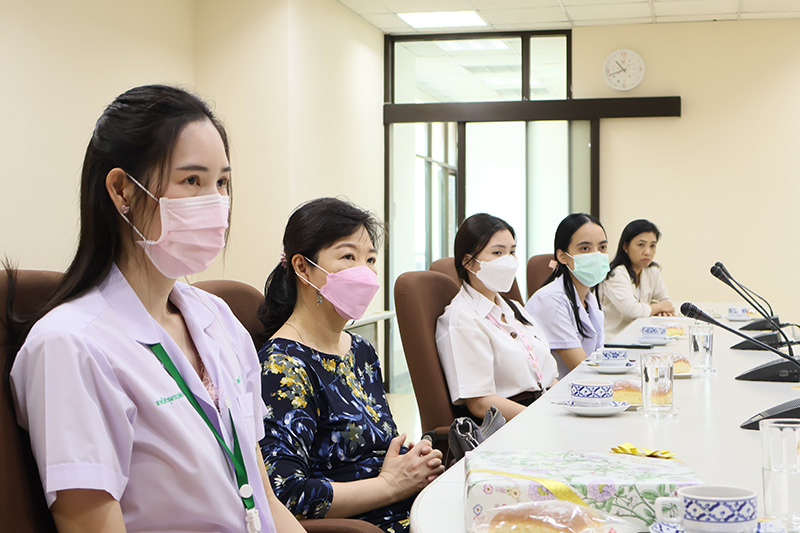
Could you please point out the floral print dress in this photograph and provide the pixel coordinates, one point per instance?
(327, 421)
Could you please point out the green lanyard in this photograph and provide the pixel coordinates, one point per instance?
(245, 490)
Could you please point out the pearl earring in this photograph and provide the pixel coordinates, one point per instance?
(125, 209)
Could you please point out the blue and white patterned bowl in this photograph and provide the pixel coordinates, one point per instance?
(591, 393)
(652, 330)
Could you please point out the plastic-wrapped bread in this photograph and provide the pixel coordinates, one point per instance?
(555, 516)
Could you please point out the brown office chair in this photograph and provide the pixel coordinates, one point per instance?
(23, 508)
(243, 299)
(420, 298)
(446, 265)
(538, 271)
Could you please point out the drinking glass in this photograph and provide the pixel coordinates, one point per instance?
(701, 344)
(780, 450)
(657, 385)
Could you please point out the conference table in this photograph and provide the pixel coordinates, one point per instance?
(704, 434)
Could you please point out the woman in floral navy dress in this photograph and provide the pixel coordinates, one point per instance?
(331, 446)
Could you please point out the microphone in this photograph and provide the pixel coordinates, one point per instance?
(769, 323)
(720, 272)
(750, 292)
(692, 311)
(790, 369)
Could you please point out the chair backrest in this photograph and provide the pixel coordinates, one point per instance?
(538, 271)
(420, 298)
(447, 265)
(243, 299)
(23, 508)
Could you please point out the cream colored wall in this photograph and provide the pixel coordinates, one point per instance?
(300, 86)
(61, 63)
(722, 180)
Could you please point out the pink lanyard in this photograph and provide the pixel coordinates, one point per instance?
(527, 345)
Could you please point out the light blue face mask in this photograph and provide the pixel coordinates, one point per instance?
(590, 269)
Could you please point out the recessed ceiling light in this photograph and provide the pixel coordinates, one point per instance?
(442, 19)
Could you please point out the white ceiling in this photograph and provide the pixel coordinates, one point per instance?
(564, 14)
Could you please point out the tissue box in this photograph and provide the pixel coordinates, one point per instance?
(623, 485)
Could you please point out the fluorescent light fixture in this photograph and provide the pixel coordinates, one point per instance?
(442, 19)
(472, 45)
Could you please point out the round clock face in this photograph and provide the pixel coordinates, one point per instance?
(623, 70)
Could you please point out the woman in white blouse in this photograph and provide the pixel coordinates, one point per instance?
(634, 287)
(492, 351)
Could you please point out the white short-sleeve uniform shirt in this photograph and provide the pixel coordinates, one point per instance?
(485, 357)
(552, 310)
(104, 414)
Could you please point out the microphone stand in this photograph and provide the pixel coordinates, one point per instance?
(790, 409)
(721, 273)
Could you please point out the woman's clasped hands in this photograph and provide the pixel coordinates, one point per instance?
(406, 474)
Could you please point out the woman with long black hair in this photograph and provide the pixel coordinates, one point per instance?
(565, 306)
(141, 394)
(492, 351)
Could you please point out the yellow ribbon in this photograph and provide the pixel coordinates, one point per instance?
(560, 490)
(630, 449)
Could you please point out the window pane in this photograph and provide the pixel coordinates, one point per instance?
(459, 70)
(549, 68)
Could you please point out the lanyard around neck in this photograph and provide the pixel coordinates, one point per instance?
(528, 348)
(245, 490)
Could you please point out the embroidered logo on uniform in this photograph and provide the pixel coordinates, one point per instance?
(169, 399)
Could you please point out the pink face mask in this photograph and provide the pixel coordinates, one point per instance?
(192, 233)
(350, 291)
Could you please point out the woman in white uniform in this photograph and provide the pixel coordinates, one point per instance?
(122, 379)
(634, 287)
(492, 351)
(565, 306)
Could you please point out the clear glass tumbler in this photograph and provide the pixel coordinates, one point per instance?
(780, 451)
(701, 346)
(657, 385)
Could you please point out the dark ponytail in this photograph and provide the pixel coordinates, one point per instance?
(311, 227)
(566, 229)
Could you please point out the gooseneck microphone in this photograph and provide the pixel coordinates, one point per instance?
(721, 273)
(790, 409)
(692, 311)
(746, 289)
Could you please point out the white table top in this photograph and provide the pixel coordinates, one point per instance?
(705, 434)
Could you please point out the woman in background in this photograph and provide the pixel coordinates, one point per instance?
(122, 379)
(634, 287)
(492, 351)
(331, 445)
(565, 306)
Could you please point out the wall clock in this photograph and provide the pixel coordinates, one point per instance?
(623, 69)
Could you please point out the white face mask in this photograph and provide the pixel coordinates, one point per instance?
(498, 275)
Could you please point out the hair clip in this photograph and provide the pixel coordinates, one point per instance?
(283, 259)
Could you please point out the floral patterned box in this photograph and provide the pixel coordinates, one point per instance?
(624, 485)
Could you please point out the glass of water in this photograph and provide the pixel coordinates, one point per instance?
(780, 450)
(701, 345)
(657, 385)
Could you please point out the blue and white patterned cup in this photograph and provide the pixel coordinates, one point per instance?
(711, 509)
(610, 357)
(591, 393)
(651, 330)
